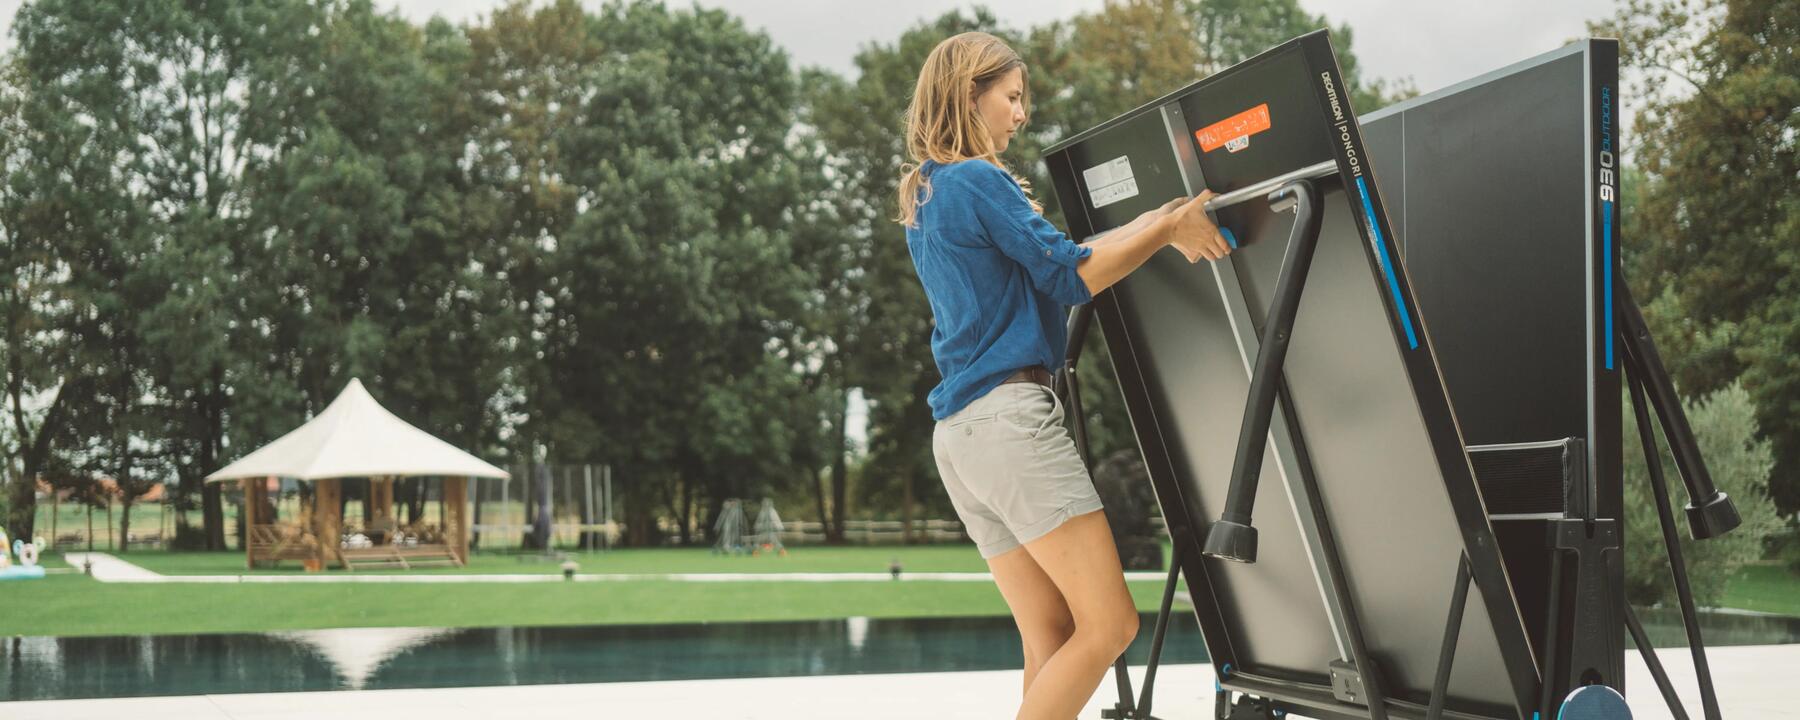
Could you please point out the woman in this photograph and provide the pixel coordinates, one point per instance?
(999, 278)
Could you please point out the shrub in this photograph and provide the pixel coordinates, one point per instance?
(1725, 427)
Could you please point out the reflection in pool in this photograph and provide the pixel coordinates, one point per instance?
(37, 668)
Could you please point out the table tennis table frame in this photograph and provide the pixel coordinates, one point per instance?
(1710, 512)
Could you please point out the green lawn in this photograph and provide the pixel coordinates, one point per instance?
(67, 604)
(76, 605)
(915, 558)
(1765, 588)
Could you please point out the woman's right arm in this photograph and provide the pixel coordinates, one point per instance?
(1139, 223)
(1058, 267)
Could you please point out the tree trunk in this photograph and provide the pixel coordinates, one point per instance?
(808, 456)
(21, 496)
(585, 539)
(21, 520)
(840, 473)
(527, 508)
(543, 510)
(212, 515)
(818, 477)
(185, 494)
(684, 514)
(125, 526)
(212, 500)
(415, 499)
(906, 508)
(667, 489)
(915, 444)
(640, 520)
(21, 488)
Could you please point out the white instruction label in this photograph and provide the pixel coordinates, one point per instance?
(1110, 182)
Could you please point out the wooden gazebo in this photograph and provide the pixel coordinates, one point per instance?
(354, 437)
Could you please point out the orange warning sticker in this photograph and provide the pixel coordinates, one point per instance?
(1233, 133)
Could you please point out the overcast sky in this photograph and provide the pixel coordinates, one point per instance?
(1435, 43)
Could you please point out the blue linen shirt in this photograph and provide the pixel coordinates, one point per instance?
(999, 278)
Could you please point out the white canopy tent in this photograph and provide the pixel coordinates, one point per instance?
(354, 437)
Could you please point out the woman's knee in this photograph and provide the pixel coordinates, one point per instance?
(1125, 630)
(1048, 636)
(1109, 631)
(1128, 630)
(1114, 632)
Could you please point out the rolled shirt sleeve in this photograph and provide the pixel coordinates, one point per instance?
(1020, 233)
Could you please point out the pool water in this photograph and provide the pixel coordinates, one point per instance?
(42, 668)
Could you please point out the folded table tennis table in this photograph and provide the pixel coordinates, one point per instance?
(1385, 432)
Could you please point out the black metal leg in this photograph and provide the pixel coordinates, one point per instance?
(1067, 385)
(1121, 710)
(1710, 512)
(1245, 708)
(1709, 700)
(1079, 320)
(1124, 708)
(1552, 634)
(1657, 672)
(1072, 401)
(1162, 630)
(1589, 543)
(1440, 686)
(1232, 537)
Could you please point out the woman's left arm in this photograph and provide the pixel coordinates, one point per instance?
(1131, 228)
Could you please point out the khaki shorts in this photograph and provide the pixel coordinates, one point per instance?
(1011, 468)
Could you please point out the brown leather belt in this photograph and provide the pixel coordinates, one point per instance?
(1031, 374)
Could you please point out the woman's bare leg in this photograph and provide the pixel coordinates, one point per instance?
(1080, 558)
(1044, 620)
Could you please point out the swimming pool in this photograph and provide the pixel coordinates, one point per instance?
(46, 668)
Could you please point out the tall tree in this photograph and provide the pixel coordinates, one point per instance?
(80, 71)
(36, 351)
(374, 242)
(159, 94)
(1712, 217)
(836, 316)
(653, 200)
(268, 232)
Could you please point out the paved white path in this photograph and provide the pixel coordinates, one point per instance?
(108, 568)
(1755, 683)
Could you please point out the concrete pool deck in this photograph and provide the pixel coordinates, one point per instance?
(1754, 683)
(110, 569)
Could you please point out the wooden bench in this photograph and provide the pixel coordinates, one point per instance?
(275, 543)
(403, 557)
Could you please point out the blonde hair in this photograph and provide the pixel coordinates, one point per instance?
(941, 122)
